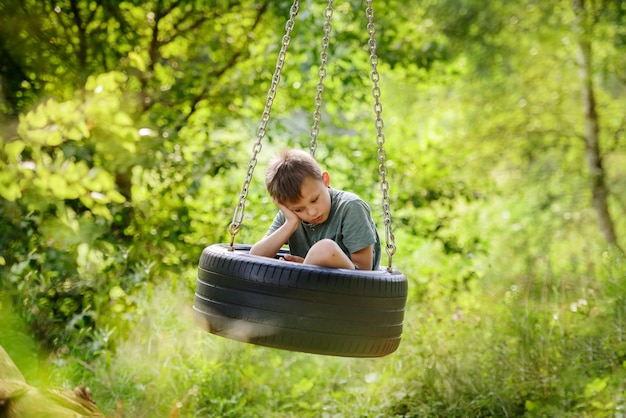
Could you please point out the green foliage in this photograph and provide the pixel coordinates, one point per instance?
(503, 354)
(510, 354)
(20, 345)
(126, 135)
(68, 151)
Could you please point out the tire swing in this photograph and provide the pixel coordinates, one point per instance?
(297, 307)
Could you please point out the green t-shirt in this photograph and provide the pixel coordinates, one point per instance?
(349, 224)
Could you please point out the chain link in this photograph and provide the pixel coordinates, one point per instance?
(317, 116)
(241, 205)
(380, 137)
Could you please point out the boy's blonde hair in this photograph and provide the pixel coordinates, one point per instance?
(287, 171)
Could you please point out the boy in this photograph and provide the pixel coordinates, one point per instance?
(323, 226)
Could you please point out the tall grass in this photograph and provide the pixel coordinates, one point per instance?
(168, 367)
(497, 330)
(503, 352)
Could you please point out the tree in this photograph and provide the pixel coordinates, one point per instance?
(583, 27)
(118, 143)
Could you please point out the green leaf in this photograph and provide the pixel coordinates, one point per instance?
(137, 61)
(78, 132)
(98, 180)
(530, 405)
(100, 210)
(9, 187)
(595, 387)
(116, 292)
(116, 197)
(14, 149)
(87, 201)
(57, 185)
(75, 172)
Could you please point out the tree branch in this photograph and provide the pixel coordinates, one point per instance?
(229, 64)
(82, 35)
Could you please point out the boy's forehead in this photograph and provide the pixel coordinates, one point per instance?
(308, 189)
(310, 184)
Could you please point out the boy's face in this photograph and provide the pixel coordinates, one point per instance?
(314, 206)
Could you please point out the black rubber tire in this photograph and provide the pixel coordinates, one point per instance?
(274, 303)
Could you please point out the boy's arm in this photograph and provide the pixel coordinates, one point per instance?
(272, 243)
(363, 259)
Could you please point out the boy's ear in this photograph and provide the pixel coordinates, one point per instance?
(326, 178)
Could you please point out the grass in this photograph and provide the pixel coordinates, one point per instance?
(543, 348)
(20, 345)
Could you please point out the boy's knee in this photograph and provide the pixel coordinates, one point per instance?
(325, 245)
(327, 253)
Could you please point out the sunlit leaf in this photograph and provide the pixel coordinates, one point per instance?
(116, 293)
(137, 61)
(9, 187)
(115, 196)
(100, 210)
(595, 387)
(57, 185)
(13, 149)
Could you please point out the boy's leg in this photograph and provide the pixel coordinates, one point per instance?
(326, 253)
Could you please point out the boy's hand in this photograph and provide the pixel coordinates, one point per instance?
(292, 258)
(290, 216)
(271, 244)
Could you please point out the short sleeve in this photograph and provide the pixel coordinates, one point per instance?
(358, 230)
(278, 221)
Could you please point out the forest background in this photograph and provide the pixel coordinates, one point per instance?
(125, 134)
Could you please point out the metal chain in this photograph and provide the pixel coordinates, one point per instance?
(380, 137)
(317, 116)
(241, 205)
